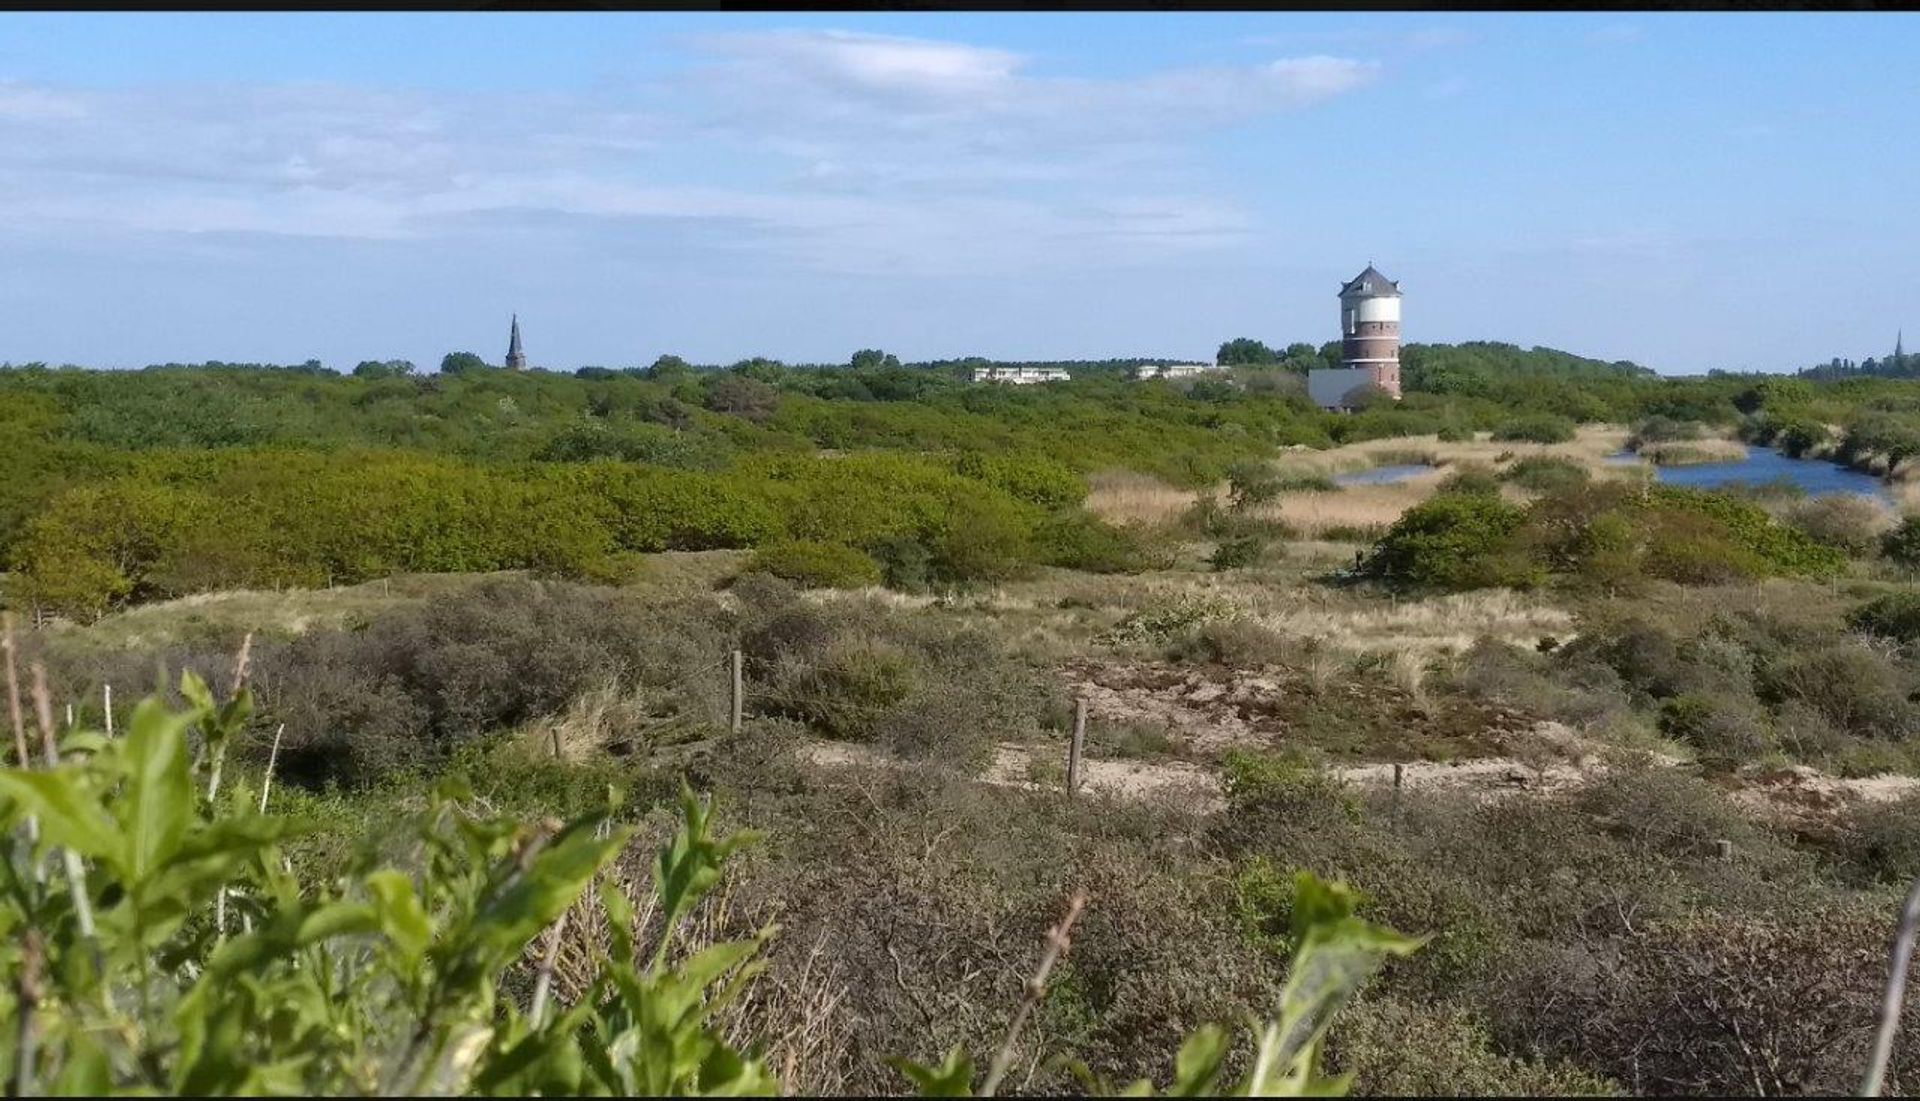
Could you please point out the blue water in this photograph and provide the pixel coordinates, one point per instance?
(1381, 475)
(1764, 464)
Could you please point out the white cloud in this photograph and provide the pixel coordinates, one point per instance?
(831, 151)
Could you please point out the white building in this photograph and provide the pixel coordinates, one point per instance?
(1173, 370)
(1020, 376)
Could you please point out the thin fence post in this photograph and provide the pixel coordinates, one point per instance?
(1398, 771)
(1723, 849)
(106, 695)
(69, 714)
(555, 732)
(1078, 743)
(739, 689)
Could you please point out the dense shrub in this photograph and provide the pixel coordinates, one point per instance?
(1471, 478)
(1845, 521)
(1895, 616)
(1454, 541)
(816, 565)
(1544, 428)
(1902, 544)
(1082, 541)
(1238, 552)
(1659, 429)
(1547, 474)
(1724, 734)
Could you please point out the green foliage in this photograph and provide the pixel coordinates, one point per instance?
(1546, 474)
(816, 565)
(1245, 351)
(1541, 428)
(179, 953)
(1894, 615)
(1454, 541)
(1902, 544)
(1080, 541)
(1238, 552)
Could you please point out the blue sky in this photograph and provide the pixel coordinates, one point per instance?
(1686, 190)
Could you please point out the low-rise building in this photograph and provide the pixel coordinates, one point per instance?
(1020, 376)
(1173, 370)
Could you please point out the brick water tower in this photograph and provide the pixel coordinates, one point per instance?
(1370, 329)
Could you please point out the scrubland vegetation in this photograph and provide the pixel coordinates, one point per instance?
(1660, 772)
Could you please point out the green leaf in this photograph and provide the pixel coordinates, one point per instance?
(402, 918)
(507, 920)
(1196, 1070)
(953, 1078)
(70, 816)
(158, 802)
(196, 692)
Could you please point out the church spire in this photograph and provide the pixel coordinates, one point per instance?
(1899, 346)
(516, 359)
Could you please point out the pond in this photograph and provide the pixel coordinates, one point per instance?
(1381, 475)
(1765, 464)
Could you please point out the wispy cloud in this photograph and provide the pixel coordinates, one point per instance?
(830, 150)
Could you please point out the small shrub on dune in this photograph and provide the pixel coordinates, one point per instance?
(1081, 541)
(1238, 552)
(1848, 522)
(1539, 428)
(1472, 478)
(1722, 732)
(816, 565)
(1455, 541)
(848, 689)
(1895, 616)
(1902, 544)
(1547, 474)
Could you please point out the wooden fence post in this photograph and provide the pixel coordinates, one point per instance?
(739, 689)
(1723, 849)
(555, 731)
(1078, 743)
(106, 693)
(1397, 770)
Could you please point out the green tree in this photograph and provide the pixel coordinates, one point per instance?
(669, 369)
(873, 358)
(383, 368)
(1245, 352)
(457, 363)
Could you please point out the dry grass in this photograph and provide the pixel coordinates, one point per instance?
(1420, 629)
(1124, 497)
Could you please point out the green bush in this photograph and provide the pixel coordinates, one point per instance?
(1895, 616)
(1847, 522)
(1902, 544)
(1540, 428)
(1547, 474)
(1238, 552)
(1725, 734)
(816, 565)
(1454, 541)
(1471, 478)
(1081, 541)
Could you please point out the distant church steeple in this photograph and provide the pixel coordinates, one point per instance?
(1899, 346)
(516, 359)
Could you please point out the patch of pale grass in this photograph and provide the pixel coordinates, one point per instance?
(1423, 628)
(1313, 515)
(1127, 497)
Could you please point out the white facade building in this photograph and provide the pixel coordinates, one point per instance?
(1020, 376)
(1173, 370)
